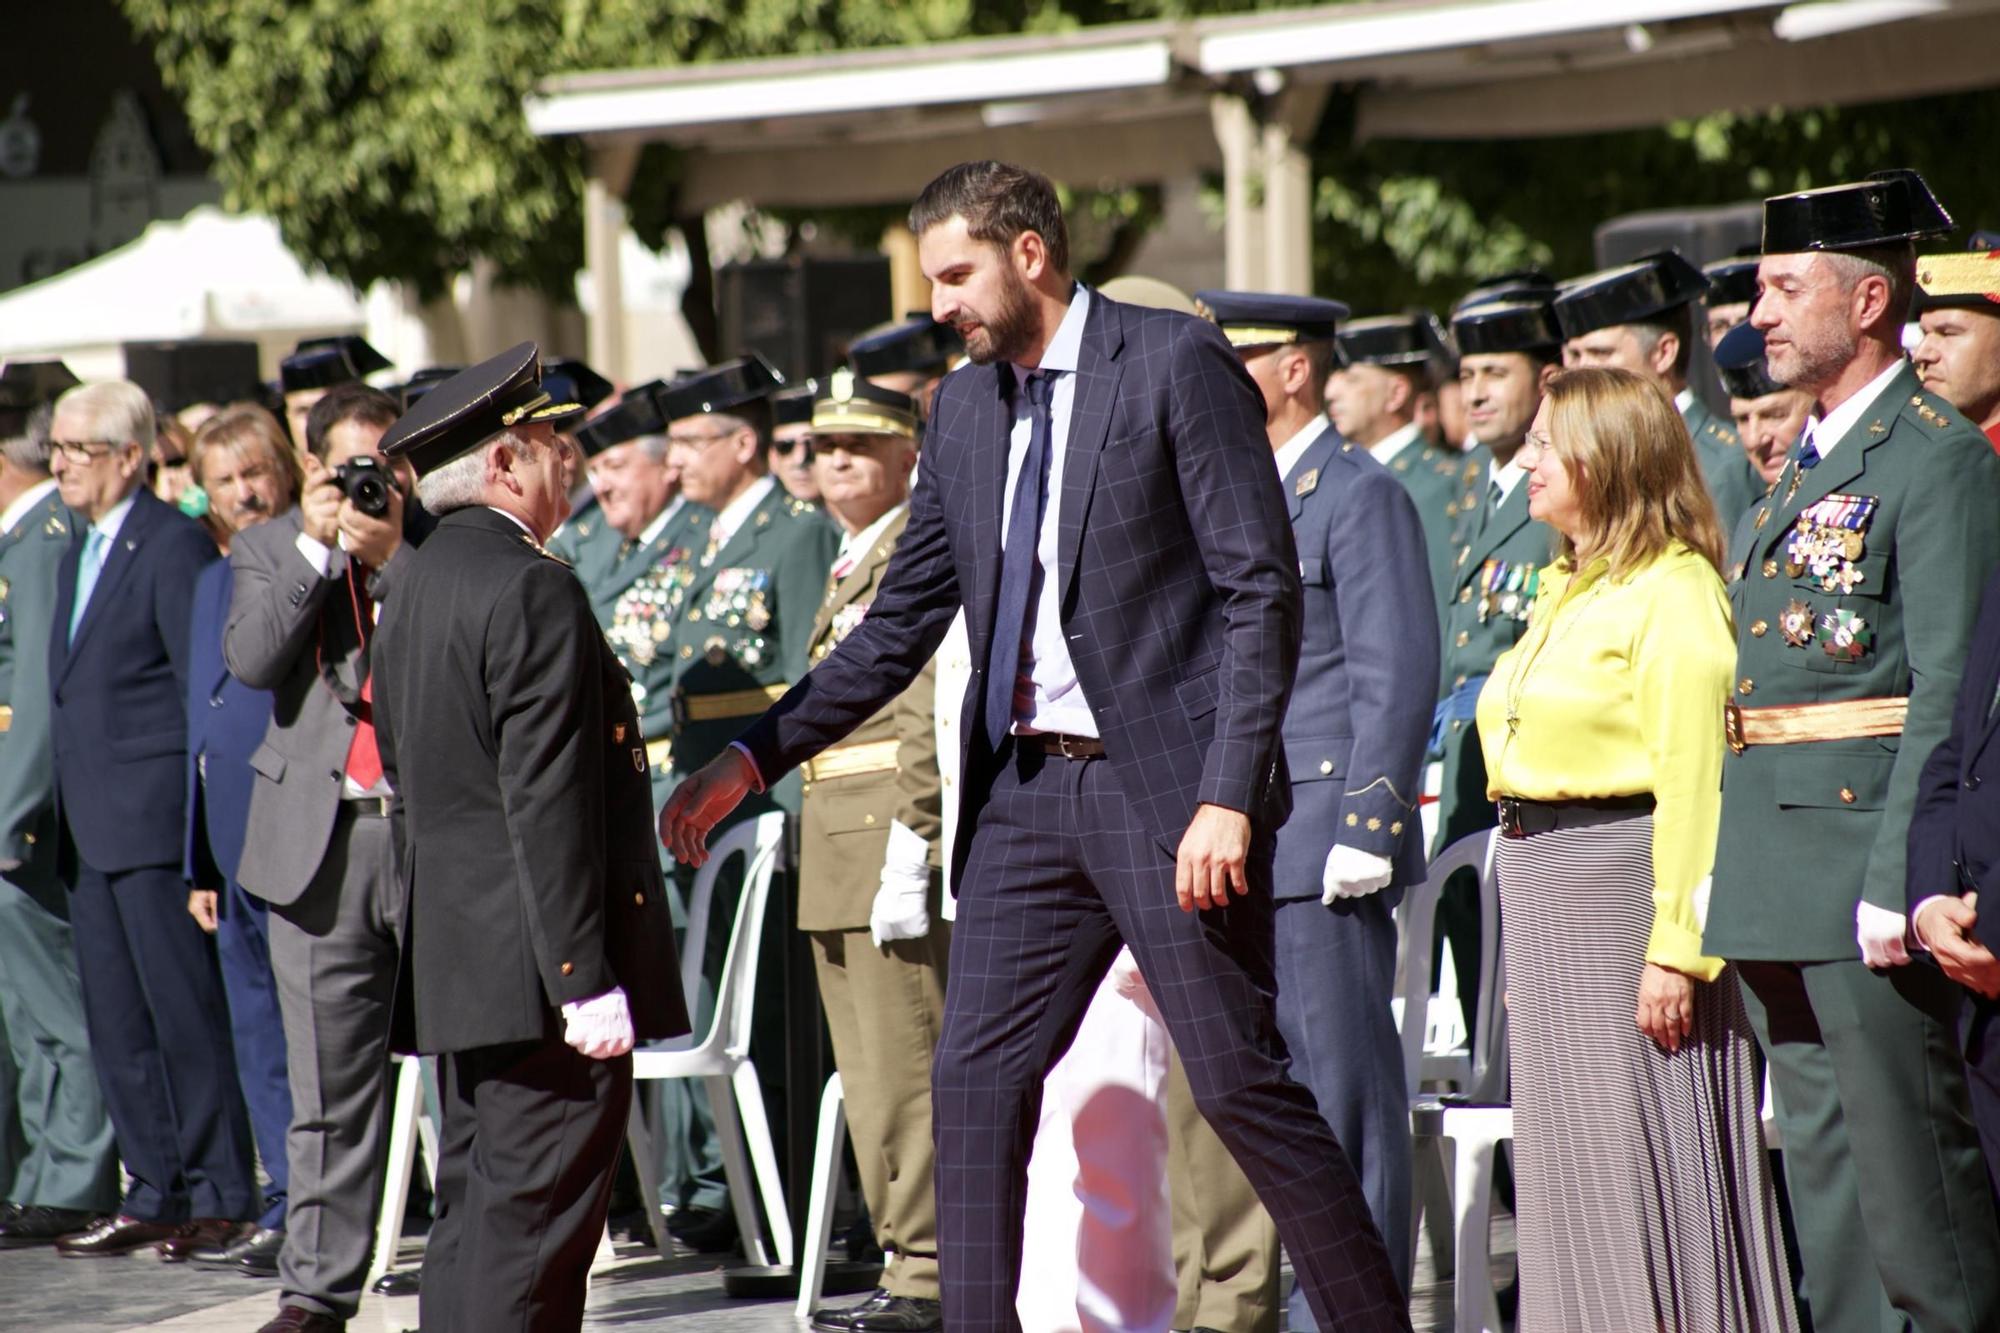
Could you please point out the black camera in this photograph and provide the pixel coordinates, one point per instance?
(366, 484)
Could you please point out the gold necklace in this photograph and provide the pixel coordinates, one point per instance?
(1517, 686)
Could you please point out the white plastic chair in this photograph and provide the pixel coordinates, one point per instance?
(831, 1139)
(721, 1056)
(409, 1130)
(1475, 1120)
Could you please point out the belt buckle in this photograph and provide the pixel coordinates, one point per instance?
(1064, 741)
(1732, 727)
(1510, 818)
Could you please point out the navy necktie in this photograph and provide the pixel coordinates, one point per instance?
(1017, 566)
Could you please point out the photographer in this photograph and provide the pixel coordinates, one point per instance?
(307, 587)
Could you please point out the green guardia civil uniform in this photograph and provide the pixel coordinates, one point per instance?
(1854, 583)
(1436, 479)
(740, 617)
(1717, 447)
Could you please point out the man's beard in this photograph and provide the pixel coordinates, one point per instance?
(1010, 331)
(1815, 358)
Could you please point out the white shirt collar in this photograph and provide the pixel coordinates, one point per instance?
(11, 516)
(115, 519)
(736, 511)
(1289, 452)
(1684, 400)
(661, 519)
(1386, 448)
(1066, 346)
(1506, 476)
(515, 521)
(1828, 431)
(865, 538)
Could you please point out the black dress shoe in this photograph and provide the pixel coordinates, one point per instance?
(36, 1225)
(116, 1234)
(706, 1231)
(256, 1255)
(298, 1319)
(399, 1282)
(226, 1251)
(202, 1233)
(840, 1319)
(900, 1314)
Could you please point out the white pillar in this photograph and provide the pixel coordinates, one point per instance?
(1243, 212)
(609, 176)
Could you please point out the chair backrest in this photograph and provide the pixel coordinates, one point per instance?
(1418, 920)
(760, 842)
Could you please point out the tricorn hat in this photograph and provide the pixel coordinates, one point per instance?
(321, 363)
(1524, 324)
(1633, 293)
(747, 379)
(636, 413)
(1887, 207)
(793, 404)
(1405, 341)
(914, 343)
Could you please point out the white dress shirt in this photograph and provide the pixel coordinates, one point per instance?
(661, 519)
(1289, 453)
(737, 511)
(1386, 448)
(1827, 432)
(1506, 476)
(1058, 703)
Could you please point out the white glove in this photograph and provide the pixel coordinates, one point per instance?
(1127, 981)
(1353, 873)
(1881, 935)
(600, 1027)
(901, 910)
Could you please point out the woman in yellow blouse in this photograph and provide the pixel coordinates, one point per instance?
(1643, 1191)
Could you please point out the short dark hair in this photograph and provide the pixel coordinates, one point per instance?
(998, 203)
(353, 401)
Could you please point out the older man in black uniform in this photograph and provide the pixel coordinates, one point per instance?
(538, 944)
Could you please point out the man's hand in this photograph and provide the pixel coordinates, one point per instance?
(1944, 924)
(319, 507)
(1353, 873)
(1666, 1006)
(1880, 933)
(201, 906)
(600, 1027)
(369, 539)
(1211, 858)
(701, 801)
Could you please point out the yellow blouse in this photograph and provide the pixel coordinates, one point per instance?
(1617, 688)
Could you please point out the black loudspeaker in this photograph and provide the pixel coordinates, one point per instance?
(178, 375)
(800, 313)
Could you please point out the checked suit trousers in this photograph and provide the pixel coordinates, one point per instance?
(1057, 872)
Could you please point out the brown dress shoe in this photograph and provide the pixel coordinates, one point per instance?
(297, 1319)
(198, 1234)
(117, 1234)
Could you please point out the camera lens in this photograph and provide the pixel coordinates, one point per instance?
(369, 494)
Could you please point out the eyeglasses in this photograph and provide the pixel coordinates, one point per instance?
(83, 451)
(786, 448)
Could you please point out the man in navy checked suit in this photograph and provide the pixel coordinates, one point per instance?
(1098, 494)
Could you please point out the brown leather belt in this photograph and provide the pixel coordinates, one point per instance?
(1790, 724)
(1523, 819)
(6, 717)
(1063, 744)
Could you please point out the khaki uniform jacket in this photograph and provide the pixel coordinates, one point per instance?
(1811, 827)
(845, 831)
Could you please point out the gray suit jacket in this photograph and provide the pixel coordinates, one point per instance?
(294, 633)
(29, 556)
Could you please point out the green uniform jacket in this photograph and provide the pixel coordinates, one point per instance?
(1811, 827)
(1719, 450)
(742, 618)
(1436, 480)
(1489, 588)
(844, 830)
(29, 555)
(628, 584)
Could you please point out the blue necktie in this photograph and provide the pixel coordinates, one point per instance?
(87, 570)
(1017, 566)
(1808, 453)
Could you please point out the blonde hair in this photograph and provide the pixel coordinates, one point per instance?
(241, 426)
(1629, 455)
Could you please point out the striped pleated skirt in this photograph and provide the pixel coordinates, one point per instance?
(1643, 1189)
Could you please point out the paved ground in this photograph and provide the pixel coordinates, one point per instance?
(639, 1293)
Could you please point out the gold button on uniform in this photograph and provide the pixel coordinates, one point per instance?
(867, 819)
(639, 899)
(1459, 684)
(1464, 637)
(1758, 628)
(1847, 796)
(1465, 594)
(1745, 685)
(568, 968)
(1770, 569)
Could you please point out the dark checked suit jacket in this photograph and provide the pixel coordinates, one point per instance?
(119, 719)
(523, 811)
(1178, 574)
(1955, 831)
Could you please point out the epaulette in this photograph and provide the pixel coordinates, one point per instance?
(1727, 434)
(544, 551)
(1929, 415)
(797, 507)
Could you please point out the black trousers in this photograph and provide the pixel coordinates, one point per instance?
(531, 1134)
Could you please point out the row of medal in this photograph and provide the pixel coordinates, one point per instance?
(1841, 634)
(1507, 588)
(1828, 540)
(643, 617)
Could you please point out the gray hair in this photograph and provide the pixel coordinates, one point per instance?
(461, 483)
(116, 412)
(29, 451)
(654, 447)
(1894, 264)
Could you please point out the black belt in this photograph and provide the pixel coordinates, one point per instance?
(1063, 744)
(1522, 819)
(367, 805)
